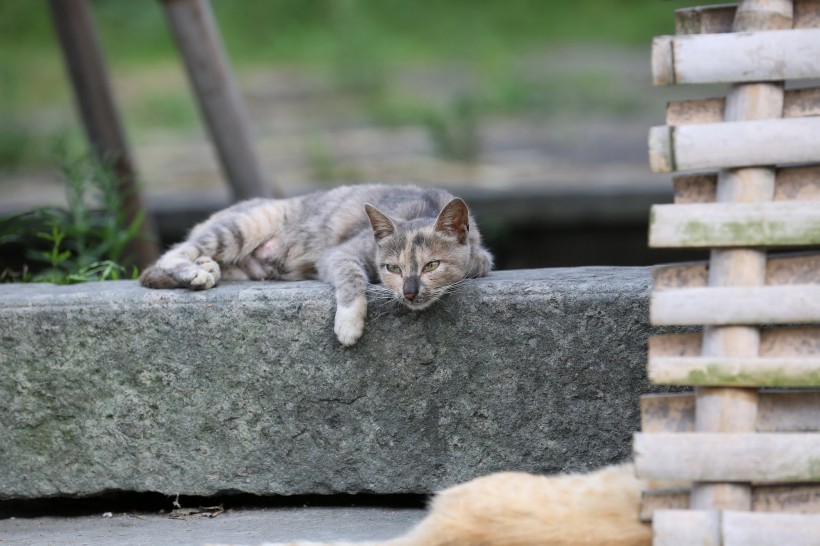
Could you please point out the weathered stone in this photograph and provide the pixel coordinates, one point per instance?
(109, 386)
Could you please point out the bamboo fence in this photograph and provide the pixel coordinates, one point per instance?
(746, 461)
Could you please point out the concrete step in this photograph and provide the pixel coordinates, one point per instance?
(235, 526)
(244, 388)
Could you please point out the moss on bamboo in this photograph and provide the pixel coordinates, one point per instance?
(749, 232)
(722, 375)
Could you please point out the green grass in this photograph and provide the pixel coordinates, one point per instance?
(300, 31)
(357, 44)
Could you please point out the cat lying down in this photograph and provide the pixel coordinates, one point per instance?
(519, 509)
(419, 243)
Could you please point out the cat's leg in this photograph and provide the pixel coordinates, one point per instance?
(182, 266)
(225, 238)
(344, 268)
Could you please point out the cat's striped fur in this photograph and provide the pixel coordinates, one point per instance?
(418, 242)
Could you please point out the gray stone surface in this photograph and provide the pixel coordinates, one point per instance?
(232, 527)
(109, 386)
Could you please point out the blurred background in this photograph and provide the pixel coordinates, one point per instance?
(535, 111)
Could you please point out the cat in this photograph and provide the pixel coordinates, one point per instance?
(419, 243)
(520, 509)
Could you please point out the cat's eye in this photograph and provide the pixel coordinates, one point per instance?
(393, 268)
(431, 266)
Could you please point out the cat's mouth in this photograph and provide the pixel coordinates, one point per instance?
(418, 303)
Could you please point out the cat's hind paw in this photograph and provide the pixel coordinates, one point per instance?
(198, 279)
(209, 265)
(200, 275)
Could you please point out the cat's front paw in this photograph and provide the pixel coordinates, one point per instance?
(349, 323)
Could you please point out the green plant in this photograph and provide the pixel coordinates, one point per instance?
(86, 241)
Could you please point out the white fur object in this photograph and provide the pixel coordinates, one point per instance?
(519, 509)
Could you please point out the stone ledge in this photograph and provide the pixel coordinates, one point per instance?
(109, 386)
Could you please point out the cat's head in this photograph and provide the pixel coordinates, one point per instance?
(420, 260)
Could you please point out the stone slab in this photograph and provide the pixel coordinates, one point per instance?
(244, 388)
(243, 526)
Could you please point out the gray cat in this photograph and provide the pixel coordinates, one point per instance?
(418, 242)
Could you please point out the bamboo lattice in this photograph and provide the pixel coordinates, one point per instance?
(749, 459)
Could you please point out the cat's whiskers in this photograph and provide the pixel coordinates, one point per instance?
(450, 288)
(381, 296)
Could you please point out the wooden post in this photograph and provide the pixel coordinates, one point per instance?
(80, 45)
(735, 409)
(210, 75)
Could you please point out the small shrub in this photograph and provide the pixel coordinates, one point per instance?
(86, 241)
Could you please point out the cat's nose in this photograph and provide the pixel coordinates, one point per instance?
(410, 288)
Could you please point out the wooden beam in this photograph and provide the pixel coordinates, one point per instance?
(653, 500)
(734, 144)
(768, 225)
(705, 19)
(695, 188)
(667, 413)
(781, 269)
(778, 411)
(736, 305)
(806, 14)
(720, 18)
(792, 498)
(709, 371)
(774, 342)
(197, 37)
(797, 103)
(84, 60)
(728, 457)
(791, 184)
(733, 528)
(773, 55)
(790, 411)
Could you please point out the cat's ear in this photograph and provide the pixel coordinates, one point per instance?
(382, 225)
(454, 219)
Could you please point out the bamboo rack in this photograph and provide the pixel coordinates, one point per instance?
(748, 459)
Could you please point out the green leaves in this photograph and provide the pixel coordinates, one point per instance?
(86, 241)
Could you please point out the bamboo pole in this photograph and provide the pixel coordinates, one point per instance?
(737, 56)
(735, 409)
(733, 528)
(792, 498)
(720, 224)
(739, 457)
(209, 72)
(735, 304)
(740, 144)
(735, 372)
(77, 34)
